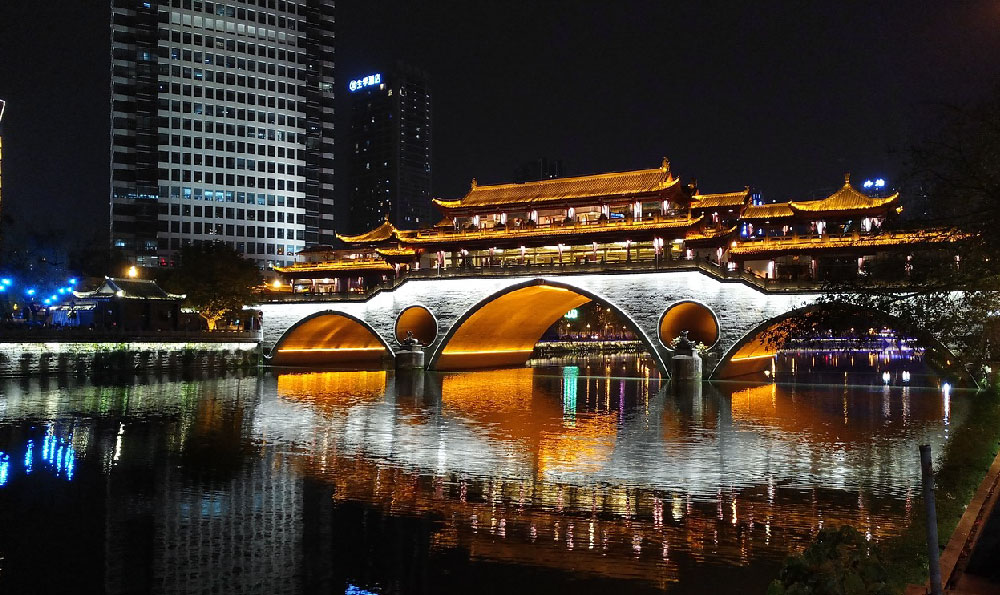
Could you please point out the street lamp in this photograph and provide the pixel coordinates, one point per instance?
(133, 272)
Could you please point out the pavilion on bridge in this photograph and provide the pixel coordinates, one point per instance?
(637, 219)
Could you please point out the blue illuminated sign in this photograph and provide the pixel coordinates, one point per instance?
(365, 81)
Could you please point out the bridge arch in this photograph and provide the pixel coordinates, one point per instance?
(689, 315)
(329, 337)
(418, 319)
(503, 328)
(753, 352)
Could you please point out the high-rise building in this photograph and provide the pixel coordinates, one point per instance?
(3, 107)
(221, 126)
(390, 163)
(538, 170)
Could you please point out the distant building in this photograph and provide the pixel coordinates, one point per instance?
(538, 170)
(221, 127)
(3, 106)
(122, 304)
(390, 145)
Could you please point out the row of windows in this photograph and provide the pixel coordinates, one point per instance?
(241, 247)
(230, 163)
(199, 177)
(219, 145)
(227, 111)
(228, 10)
(229, 44)
(271, 200)
(208, 212)
(221, 26)
(230, 79)
(233, 62)
(241, 231)
(272, 134)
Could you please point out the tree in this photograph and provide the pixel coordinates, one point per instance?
(215, 279)
(837, 563)
(953, 293)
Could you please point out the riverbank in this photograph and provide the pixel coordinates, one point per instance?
(966, 461)
(87, 358)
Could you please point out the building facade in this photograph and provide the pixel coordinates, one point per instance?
(390, 163)
(221, 126)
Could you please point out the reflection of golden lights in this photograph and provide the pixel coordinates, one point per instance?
(583, 448)
(333, 390)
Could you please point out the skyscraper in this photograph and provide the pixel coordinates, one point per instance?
(3, 107)
(222, 126)
(390, 163)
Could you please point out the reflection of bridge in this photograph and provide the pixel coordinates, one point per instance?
(487, 322)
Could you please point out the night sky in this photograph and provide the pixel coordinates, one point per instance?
(784, 96)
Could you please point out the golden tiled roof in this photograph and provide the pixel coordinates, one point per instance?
(379, 234)
(608, 185)
(554, 232)
(806, 244)
(395, 251)
(845, 199)
(337, 266)
(708, 234)
(769, 211)
(716, 201)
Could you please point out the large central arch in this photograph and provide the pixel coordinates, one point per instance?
(329, 338)
(502, 329)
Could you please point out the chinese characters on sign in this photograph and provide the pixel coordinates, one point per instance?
(365, 81)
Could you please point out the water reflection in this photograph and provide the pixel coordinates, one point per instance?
(332, 481)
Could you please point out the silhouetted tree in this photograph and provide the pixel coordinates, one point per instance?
(215, 279)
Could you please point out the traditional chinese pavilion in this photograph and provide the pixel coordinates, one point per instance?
(620, 218)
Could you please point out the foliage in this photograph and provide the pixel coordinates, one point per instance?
(215, 279)
(954, 293)
(837, 563)
(700, 348)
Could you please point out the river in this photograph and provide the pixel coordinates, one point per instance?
(575, 475)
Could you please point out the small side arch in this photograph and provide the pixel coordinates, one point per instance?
(502, 329)
(328, 338)
(689, 315)
(753, 352)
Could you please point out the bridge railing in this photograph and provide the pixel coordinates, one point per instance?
(523, 270)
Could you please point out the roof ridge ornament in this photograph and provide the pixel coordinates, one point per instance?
(847, 179)
(665, 165)
(474, 184)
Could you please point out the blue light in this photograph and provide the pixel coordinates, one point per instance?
(3, 288)
(880, 183)
(30, 291)
(352, 590)
(868, 184)
(29, 456)
(47, 301)
(4, 467)
(365, 81)
(72, 281)
(6, 281)
(62, 290)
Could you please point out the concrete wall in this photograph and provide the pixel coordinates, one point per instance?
(26, 358)
(642, 297)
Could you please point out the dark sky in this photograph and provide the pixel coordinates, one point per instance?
(785, 96)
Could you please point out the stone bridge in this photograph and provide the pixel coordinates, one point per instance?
(482, 322)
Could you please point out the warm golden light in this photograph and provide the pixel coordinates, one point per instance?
(328, 339)
(133, 272)
(419, 321)
(504, 331)
(692, 317)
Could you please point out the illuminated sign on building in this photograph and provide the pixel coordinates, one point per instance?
(365, 81)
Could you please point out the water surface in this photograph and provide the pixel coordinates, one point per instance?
(575, 474)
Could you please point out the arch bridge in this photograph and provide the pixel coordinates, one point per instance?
(484, 322)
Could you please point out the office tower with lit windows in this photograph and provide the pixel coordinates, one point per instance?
(221, 126)
(390, 144)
